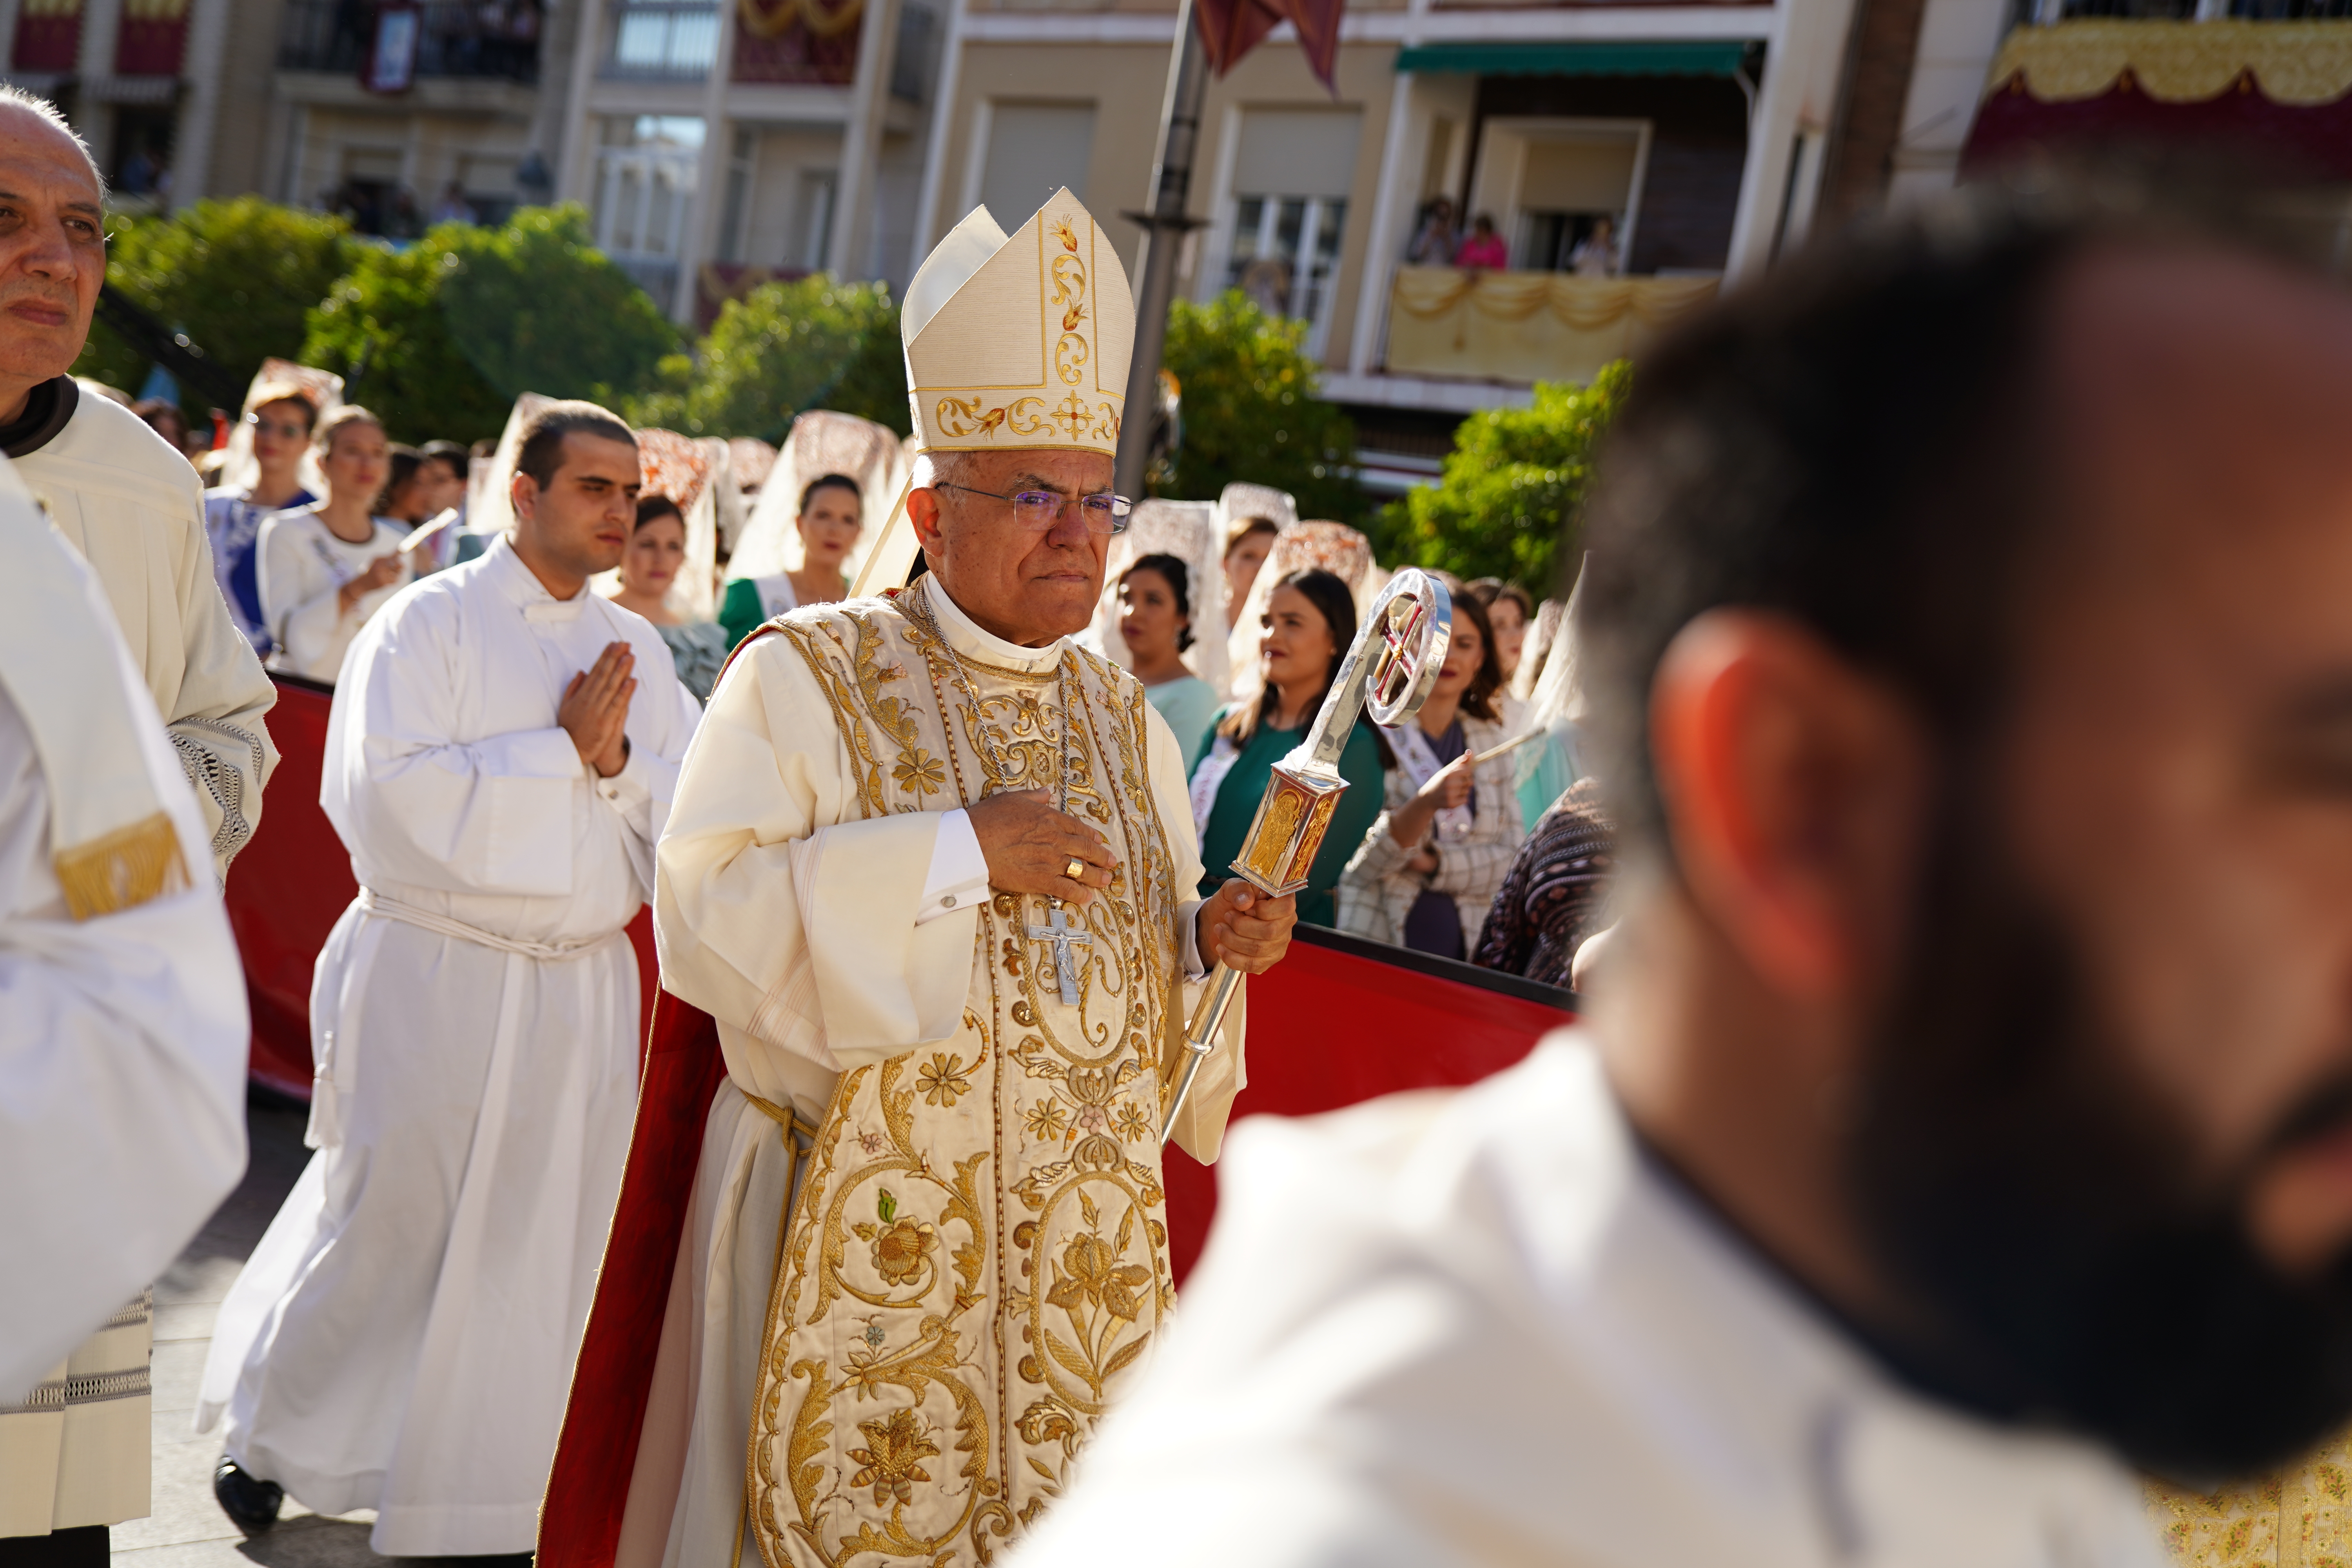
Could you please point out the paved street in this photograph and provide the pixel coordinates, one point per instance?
(187, 1529)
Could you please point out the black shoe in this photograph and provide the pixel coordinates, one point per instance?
(250, 1502)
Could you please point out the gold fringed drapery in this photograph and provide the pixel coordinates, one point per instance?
(2300, 1517)
(2299, 63)
(1528, 326)
(773, 18)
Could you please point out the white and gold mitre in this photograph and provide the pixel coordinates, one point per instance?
(1022, 341)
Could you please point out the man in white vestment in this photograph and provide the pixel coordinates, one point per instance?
(503, 747)
(122, 1044)
(1964, 1118)
(117, 491)
(133, 509)
(932, 872)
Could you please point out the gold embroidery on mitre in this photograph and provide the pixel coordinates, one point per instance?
(976, 1261)
(980, 380)
(123, 870)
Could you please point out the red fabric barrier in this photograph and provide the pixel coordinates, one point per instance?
(288, 887)
(1337, 1022)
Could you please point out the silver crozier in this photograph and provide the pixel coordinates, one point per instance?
(1388, 673)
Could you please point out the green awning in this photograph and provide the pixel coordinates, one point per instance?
(1708, 57)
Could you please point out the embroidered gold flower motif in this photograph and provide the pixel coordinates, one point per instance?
(1090, 1271)
(944, 1082)
(1047, 1120)
(899, 1252)
(896, 1445)
(920, 772)
(1048, 1421)
(1133, 1125)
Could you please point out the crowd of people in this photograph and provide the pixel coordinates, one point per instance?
(1427, 847)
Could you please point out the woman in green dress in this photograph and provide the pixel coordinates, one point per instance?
(1310, 620)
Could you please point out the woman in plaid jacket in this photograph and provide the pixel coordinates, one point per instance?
(1426, 874)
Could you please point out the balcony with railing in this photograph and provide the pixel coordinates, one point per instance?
(495, 38)
(1522, 327)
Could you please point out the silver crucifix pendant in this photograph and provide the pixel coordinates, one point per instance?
(1059, 934)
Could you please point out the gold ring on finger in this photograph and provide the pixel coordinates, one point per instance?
(1075, 869)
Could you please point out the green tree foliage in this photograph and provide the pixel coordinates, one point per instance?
(1250, 411)
(440, 338)
(815, 343)
(237, 277)
(1512, 495)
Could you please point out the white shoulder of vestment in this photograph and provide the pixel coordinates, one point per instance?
(107, 451)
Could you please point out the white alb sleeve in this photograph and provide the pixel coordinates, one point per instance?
(958, 875)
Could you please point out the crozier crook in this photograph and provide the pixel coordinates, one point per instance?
(1388, 673)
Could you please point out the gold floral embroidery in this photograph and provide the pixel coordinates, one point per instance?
(893, 1444)
(943, 1081)
(918, 772)
(903, 1251)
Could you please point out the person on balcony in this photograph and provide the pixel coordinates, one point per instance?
(1436, 235)
(1484, 251)
(1425, 874)
(327, 567)
(1595, 255)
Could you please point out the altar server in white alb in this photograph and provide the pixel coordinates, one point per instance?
(501, 757)
(122, 1043)
(1963, 1120)
(122, 497)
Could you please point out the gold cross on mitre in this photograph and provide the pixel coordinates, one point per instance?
(1012, 341)
(1021, 340)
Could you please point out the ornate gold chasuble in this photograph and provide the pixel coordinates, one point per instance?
(976, 1261)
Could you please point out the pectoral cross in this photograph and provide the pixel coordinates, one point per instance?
(1058, 934)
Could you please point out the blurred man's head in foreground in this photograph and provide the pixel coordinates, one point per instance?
(1970, 616)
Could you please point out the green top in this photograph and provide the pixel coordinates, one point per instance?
(1190, 706)
(1245, 786)
(741, 609)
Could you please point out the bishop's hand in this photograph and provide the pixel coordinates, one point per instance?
(1243, 929)
(1030, 848)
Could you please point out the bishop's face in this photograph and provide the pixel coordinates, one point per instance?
(1028, 587)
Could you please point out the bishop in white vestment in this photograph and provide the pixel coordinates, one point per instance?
(122, 1039)
(401, 1338)
(927, 1246)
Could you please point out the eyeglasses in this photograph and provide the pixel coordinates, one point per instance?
(289, 431)
(1038, 511)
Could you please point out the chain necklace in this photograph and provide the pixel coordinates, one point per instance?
(928, 618)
